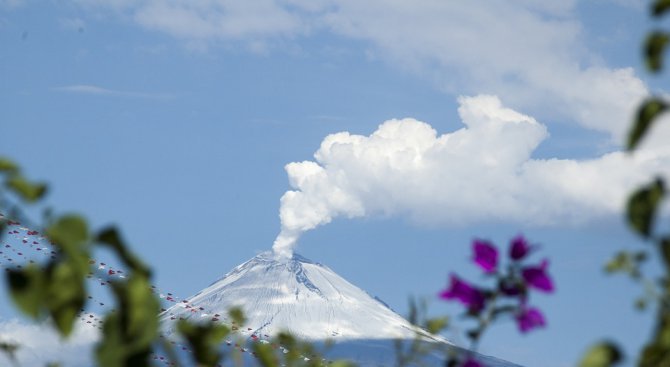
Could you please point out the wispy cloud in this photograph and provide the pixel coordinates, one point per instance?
(96, 90)
(532, 53)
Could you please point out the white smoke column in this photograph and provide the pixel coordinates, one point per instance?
(483, 171)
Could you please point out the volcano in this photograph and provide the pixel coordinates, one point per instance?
(300, 296)
(310, 301)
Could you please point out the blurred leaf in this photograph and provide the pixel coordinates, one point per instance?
(659, 7)
(602, 355)
(140, 307)
(292, 355)
(620, 262)
(7, 165)
(266, 357)
(28, 191)
(665, 249)
(26, 287)
(110, 351)
(205, 341)
(642, 207)
(656, 352)
(66, 294)
(341, 364)
(436, 325)
(647, 113)
(131, 330)
(654, 48)
(169, 350)
(237, 315)
(654, 355)
(626, 262)
(70, 233)
(110, 236)
(641, 303)
(9, 349)
(640, 256)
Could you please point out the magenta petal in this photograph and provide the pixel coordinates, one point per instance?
(486, 255)
(519, 248)
(537, 277)
(465, 293)
(471, 363)
(529, 319)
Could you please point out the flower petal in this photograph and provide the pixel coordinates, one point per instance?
(471, 362)
(529, 319)
(468, 295)
(537, 277)
(519, 248)
(485, 255)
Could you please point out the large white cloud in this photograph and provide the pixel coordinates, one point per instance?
(482, 172)
(532, 53)
(40, 345)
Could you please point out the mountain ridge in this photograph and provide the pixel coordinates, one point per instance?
(301, 296)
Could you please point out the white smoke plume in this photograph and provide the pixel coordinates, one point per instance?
(482, 172)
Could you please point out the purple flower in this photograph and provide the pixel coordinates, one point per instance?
(537, 277)
(519, 248)
(468, 295)
(471, 362)
(529, 319)
(509, 288)
(486, 255)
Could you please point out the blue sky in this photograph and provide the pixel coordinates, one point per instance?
(175, 120)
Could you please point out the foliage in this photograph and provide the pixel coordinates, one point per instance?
(642, 211)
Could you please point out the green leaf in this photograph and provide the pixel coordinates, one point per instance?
(237, 316)
(110, 236)
(66, 294)
(9, 349)
(266, 357)
(7, 165)
(604, 354)
(655, 353)
(111, 351)
(641, 304)
(436, 325)
(659, 7)
(70, 233)
(205, 341)
(626, 262)
(26, 288)
(642, 206)
(131, 330)
(647, 113)
(341, 364)
(26, 190)
(140, 307)
(654, 48)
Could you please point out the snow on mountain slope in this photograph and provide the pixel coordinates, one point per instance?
(296, 295)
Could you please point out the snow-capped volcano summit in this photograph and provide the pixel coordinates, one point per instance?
(296, 295)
